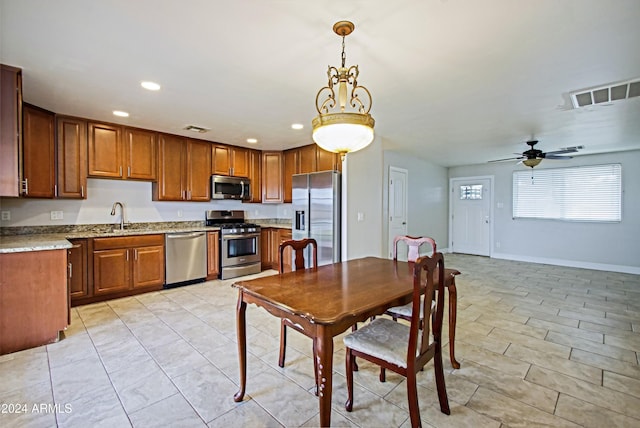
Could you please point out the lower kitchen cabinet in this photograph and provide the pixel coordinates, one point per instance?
(271, 237)
(77, 266)
(213, 255)
(115, 267)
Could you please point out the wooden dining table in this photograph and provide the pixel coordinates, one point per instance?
(324, 302)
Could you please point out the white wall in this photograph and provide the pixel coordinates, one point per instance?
(427, 192)
(606, 246)
(136, 195)
(363, 175)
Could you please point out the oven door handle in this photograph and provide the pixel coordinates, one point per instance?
(240, 236)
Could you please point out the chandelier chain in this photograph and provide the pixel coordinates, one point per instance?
(344, 55)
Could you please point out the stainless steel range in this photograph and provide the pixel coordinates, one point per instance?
(239, 243)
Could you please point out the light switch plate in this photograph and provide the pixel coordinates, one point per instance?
(6, 215)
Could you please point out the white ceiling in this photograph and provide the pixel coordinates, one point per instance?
(453, 81)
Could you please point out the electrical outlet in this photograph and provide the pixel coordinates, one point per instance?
(179, 213)
(6, 215)
(57, 215)
(360, 216)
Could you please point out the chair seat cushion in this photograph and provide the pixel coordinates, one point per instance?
(406, 310)
(381, 338)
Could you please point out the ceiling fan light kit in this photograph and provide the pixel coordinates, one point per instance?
(344, 124)
(533, 156)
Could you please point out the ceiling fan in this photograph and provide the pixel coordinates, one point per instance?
(533, 156)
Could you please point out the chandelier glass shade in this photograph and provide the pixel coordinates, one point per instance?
(343, 123)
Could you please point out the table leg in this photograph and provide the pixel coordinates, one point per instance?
(453, 305)
(324, 351)
(242, 345)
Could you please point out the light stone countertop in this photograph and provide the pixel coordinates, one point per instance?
(53, 241)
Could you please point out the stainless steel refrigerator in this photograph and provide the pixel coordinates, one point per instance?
(315, 201)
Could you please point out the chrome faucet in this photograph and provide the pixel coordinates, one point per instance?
(113, 212)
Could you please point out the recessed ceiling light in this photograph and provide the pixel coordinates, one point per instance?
(297, 126)
(152, 86)
(252, 140)
(120, 113)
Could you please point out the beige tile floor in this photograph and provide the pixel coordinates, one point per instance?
(539, 345)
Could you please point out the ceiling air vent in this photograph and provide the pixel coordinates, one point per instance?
(606, 94)
(194, 128)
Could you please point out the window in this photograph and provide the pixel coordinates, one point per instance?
(473, 191)
(585, 193)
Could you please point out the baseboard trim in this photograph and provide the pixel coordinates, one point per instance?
(569, 263)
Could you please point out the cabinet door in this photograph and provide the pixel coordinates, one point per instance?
(171, 182)
(147, 266)
(266, 248)
(290, 159)
(72, 157)
(240, 162)
(140, 148)
(111, 271)
(272, 177)
(199, 171)
(287, 254)
(255, 176)
(213, 254)
(38, 152)
(306, 159)
(77, 260)
(10, 130)
(220, 160)
(105, 150)
(326, 161)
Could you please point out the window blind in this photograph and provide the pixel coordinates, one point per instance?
(584, 193)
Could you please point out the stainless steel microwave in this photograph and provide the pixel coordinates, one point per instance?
(223, 187)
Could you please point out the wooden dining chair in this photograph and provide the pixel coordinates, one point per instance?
(402, 348)
(298, 247)
(405, 312)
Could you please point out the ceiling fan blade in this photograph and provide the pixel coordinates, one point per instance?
(507, 159)
(562, 151)
(555, 156)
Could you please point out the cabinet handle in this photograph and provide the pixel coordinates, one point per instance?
(82, 191)
(231, 171)
(129, 171)
(120, 170)
(55, 190)
(127, 253)
(135, 254)
(70, 270)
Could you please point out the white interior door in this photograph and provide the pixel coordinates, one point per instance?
(471, 215)
(398, 179)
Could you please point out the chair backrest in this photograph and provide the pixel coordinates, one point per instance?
(299, 247)
(414, 243)
(420, 345)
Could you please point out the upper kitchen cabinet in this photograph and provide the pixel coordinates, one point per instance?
(255, 176)
(229, 160)
(121, 152)
(71, 141)
(307, 159)
(272, 177)
(184, 170)
(38, 145)
(10, 130)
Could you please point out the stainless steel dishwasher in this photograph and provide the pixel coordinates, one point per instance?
(186, 258)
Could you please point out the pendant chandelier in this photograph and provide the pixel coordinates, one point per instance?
(344, 124)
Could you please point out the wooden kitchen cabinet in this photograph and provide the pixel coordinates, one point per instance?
(229, 160)
(71, 142)
(213, 255)
(34, 298)
(270, 239)
(272, 177)
(124, 265)
(255, 176)
(10, 130)
(284, 235)
(39, 162)
(121, 152)
(184, 170)
(77, 266)
(304, 160)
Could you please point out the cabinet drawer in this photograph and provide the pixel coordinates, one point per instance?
(127, 241)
